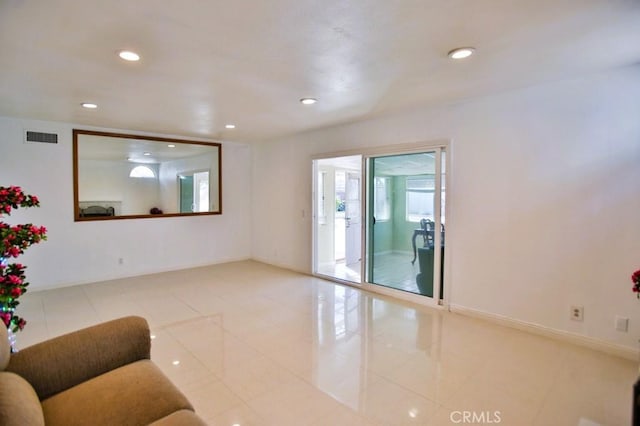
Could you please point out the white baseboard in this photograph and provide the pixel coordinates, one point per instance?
(281, 265)
(383, 253)
(578, 339)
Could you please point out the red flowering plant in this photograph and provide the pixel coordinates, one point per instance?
(635, 278)
(14, 240)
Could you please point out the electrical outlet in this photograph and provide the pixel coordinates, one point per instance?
(577, 313)
(622, 324)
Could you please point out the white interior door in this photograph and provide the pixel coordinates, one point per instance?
(353, 222)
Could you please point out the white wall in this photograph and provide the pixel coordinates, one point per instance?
(79, 252)
(545, 199)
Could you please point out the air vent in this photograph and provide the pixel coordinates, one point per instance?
(40, 137)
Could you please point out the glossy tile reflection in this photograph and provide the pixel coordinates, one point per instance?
(251, 344)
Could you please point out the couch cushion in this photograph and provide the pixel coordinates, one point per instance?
(65, 361)
(180, 418)
(19, 404)
(136, 394)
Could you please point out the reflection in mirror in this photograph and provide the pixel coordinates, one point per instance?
(121, 176)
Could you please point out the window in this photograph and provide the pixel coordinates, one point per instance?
(382, 198)
(142, 172)
(419, 190)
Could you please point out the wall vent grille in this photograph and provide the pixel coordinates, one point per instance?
(40, 137)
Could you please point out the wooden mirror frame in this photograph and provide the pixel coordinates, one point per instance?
(76, 195)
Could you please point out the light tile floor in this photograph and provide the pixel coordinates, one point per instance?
(258, 345)
(395, 270)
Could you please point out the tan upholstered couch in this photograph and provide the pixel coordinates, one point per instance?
(101, 375)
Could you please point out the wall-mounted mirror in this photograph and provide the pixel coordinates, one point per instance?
(122, 176)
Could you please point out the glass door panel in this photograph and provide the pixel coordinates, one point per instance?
(186, 194)
(406, 205)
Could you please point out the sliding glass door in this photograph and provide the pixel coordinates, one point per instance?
(400, 200)
(406, 194)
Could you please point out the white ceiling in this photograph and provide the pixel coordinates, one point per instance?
(208, 63)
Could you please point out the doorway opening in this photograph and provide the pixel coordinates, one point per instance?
(338, 218)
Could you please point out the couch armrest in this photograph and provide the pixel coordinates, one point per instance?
(65, 361)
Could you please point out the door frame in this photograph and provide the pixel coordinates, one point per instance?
(368, 283)
(315, 222)
(366, 153)
(348, 212)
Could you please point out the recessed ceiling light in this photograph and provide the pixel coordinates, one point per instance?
(171, 145)
(461, 52)
(230, 126)
(128, 55)
(147, 153)
(308, 101)
(89, 105)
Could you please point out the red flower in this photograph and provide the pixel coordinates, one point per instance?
(14, 280)
(635, 278)
(6, 318)
(21, 323)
